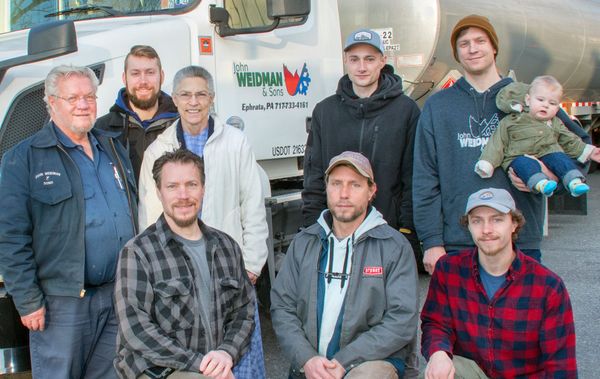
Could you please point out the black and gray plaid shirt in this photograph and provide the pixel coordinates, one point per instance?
(157, 305)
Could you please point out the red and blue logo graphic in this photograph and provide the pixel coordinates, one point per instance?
(294, 83)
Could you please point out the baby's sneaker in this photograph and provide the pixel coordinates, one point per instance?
(577, 187)
(546, 187)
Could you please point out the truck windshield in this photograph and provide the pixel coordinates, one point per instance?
(23, 14)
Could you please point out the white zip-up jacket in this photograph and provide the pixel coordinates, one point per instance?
(233, 199)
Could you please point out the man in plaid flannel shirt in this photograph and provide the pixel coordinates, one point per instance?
(183, 299)
(491, 311)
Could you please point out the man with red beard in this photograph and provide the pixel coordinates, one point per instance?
(183, 299)
(141, 111)
(493, 311)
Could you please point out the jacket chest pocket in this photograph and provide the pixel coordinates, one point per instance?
(51, 191)
(528, 140)
(174, 304)
(229, 291)
(528, 134)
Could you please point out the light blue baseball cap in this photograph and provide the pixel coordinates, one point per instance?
(496, 198)
(365, 36)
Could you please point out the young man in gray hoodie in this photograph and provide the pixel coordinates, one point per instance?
(349, 266)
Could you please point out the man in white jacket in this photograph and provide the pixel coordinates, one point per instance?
(233, 199)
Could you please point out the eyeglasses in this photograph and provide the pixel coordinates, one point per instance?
(90, 99)
(187, 96)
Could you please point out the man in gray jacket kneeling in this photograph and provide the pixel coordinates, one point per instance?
(345, 301)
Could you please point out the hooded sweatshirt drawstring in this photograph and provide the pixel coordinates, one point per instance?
(331, 249)
(349, 245)
(330, 263)
(480, 111)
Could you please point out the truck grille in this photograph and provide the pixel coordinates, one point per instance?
(27, 115)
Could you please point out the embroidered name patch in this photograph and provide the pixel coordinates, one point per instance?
(47, 177)
(373, 271)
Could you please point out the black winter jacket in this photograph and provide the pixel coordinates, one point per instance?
(136, 135)
(382, 128)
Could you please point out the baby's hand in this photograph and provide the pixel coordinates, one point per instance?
(484, 169)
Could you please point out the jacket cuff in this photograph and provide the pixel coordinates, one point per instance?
(434, 241)
(254, 266)
(233, 352)
(28, 307)
(484, 169)
(585, 155)
(303, 356)
(347, 362)
(194, 363)
(444, 350)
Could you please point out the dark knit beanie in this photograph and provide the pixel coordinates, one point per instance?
(476, 21)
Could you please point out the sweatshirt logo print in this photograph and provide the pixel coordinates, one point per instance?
(479, 132)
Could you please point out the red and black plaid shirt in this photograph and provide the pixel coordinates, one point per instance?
(525, 330)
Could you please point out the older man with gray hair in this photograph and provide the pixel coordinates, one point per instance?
(67, 201)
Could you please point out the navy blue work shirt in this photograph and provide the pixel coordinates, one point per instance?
(108, 221)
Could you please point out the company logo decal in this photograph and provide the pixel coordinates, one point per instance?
(272, 82)
(363, 36)
(487, 195)
(372, 271)
(295, 83)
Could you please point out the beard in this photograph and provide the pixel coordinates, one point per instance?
(346, 217)
(143, 104)
(182, 222)
(82, 129)
(185, 222)
(493, 250)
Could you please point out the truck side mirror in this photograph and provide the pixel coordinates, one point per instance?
(287, 8)
(276, 10)
(45, 41)
(219, 16)
(52, 39)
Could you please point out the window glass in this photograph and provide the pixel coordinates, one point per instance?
(23, 14)
(247, 13)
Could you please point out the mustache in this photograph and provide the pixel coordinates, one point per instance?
(184, 203)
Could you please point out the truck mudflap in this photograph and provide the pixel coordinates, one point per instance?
(14, 337)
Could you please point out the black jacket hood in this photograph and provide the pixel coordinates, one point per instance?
(390, 87)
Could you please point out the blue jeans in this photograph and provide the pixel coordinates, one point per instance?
(79, 340)
(530, 171)
(252, 363)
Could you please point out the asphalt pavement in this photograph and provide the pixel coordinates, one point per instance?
(571, 249)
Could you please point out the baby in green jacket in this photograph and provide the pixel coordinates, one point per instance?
(536, 133)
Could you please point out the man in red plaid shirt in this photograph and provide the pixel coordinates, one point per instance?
(491, 311)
